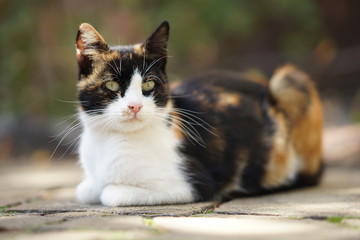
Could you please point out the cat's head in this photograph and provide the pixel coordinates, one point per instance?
(121, 88)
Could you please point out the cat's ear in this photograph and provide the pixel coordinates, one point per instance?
(89, 43)
(156, 44)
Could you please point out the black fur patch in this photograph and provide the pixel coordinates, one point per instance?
(242, 126)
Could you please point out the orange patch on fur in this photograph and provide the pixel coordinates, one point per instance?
(139, 49)
(307, 136)
(88, 83)
(177, 128)
(176, 123)
(226, 99)
(109, 56)
(277, 169)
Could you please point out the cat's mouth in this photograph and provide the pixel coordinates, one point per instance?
(133, 118)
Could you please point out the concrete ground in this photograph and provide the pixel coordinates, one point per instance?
(37, 201)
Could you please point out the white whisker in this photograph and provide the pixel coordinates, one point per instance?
(65, 101)
(153, 63)
(192, 136)
(144, 57)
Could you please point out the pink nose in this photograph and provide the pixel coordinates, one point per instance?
(135, 107)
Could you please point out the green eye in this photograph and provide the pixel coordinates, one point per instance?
(112, 85)
(148, 85)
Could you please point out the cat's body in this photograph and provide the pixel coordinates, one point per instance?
(252, 150)
(211, 137)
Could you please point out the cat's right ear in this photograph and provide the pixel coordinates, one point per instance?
(156, 44)
(89, 43)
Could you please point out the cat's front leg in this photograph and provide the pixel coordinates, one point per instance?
(88, 192)
(125, 195)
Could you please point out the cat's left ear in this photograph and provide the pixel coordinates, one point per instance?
(89, 43)
(156, 44)
(88, 40)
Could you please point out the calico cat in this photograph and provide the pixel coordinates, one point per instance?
(210, 137)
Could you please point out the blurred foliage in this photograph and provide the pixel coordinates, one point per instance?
(38, 68)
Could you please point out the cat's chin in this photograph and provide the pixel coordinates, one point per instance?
(127, 126)
(131, 125)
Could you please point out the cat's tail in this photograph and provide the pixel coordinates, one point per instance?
(297, 100)
(294, 93)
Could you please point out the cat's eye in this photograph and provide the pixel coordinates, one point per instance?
(148, 85)
(112, 85)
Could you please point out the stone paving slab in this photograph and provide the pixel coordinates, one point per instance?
(99, 222)
(32, 221)
(254, 227)
(79, 235)
(210, 226)
(52, 174)
(49, 206)
(353, 223)
(338, 195)
(10, 198)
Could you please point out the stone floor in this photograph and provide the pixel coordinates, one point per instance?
(38, 202)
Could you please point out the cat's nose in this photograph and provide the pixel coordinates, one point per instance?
(135, 108)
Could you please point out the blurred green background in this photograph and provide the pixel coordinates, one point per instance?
(38, 69)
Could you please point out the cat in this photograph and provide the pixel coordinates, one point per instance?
(211, 137)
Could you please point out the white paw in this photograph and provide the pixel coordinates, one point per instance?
(120, 195)
(87, 192)
(125, 195)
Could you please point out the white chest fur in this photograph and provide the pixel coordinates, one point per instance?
(136, 168)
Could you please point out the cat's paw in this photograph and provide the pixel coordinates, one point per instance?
(87, 192)
(123, 195)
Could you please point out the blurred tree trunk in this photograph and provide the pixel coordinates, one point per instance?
(339, 78)
(342, 20)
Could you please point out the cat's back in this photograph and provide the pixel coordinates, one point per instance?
(221, 92)
(216, 84)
